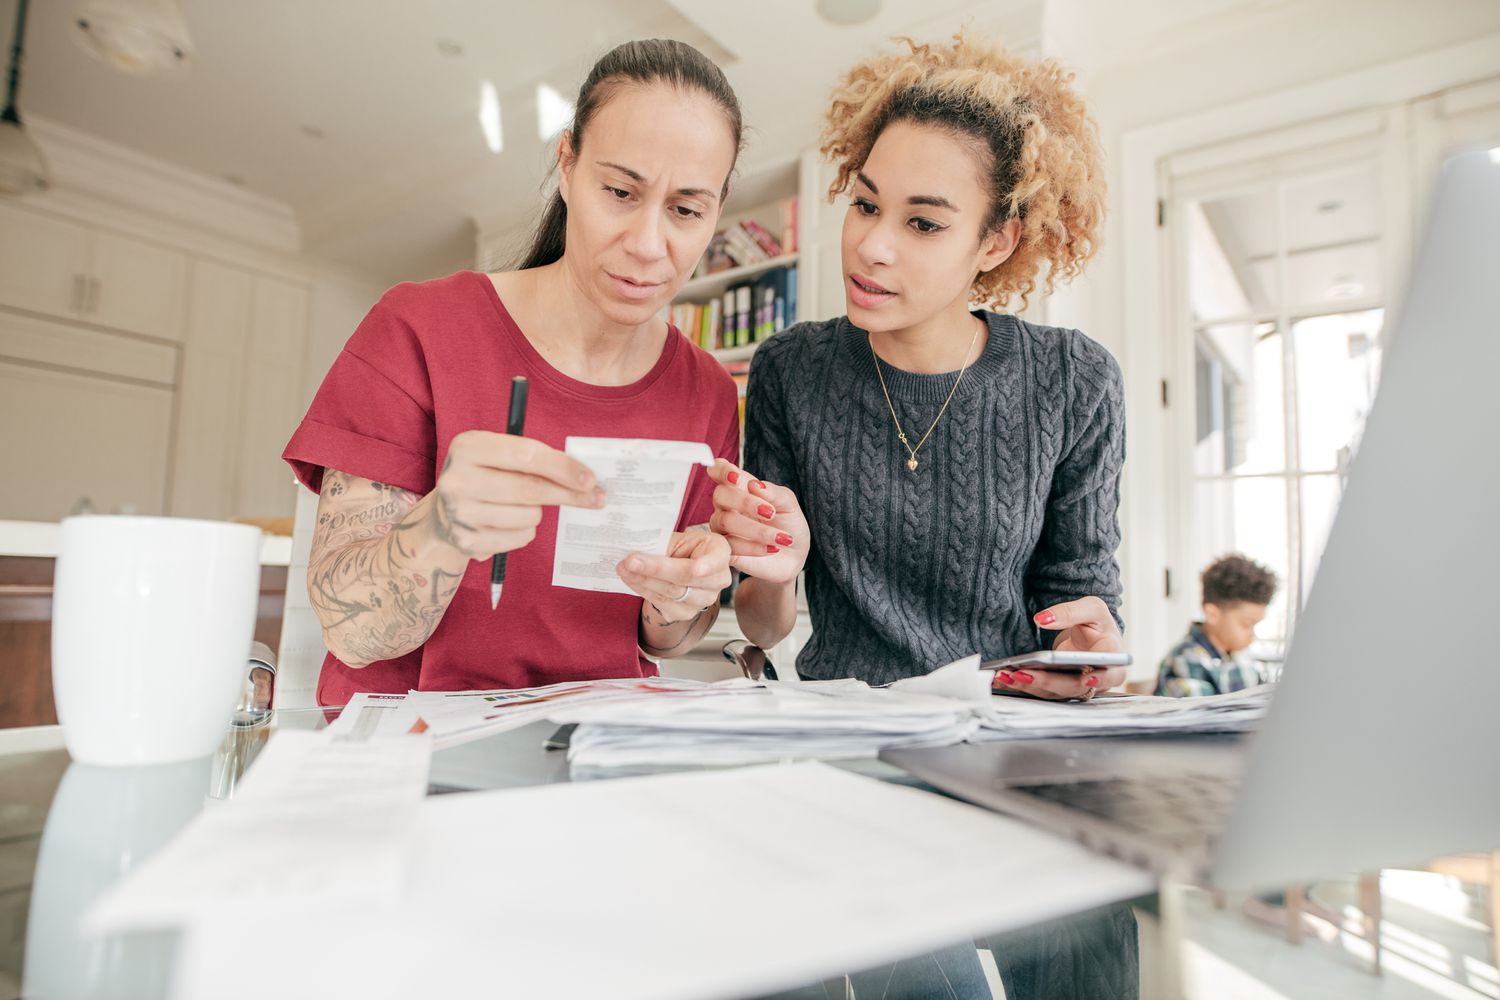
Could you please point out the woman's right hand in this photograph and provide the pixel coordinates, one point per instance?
(492, 488)
(768, 536)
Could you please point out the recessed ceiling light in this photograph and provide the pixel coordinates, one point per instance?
(553, 112)
(1346, 289)
(489, 117)
(449, 47)
(313, 132)
(1330, 206)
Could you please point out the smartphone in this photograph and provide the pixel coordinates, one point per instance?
(1062, 660)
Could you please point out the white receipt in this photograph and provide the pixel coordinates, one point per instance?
(316, 819)
(643, 482)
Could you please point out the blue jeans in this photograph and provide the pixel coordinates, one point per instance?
(1082, 957)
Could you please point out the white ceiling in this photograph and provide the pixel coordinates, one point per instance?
(401, 171)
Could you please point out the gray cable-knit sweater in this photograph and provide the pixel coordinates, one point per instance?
(1014, 505)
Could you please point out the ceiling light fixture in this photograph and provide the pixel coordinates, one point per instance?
(553, 112)
(848, 12)
(22, 167)
(489, 117)
(141, 37)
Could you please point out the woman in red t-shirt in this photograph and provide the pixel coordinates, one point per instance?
(417, 490)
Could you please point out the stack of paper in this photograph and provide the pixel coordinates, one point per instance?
(1007, 718)
(455, 717)
(832, 719)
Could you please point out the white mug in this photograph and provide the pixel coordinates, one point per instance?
(152, 619)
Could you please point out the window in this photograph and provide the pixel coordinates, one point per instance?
(1285, 298)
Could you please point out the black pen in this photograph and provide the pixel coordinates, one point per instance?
(515, 424)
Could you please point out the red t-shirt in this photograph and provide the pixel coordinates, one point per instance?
(434, 359)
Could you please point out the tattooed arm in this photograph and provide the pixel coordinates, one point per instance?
(381, 572)
(386, 562)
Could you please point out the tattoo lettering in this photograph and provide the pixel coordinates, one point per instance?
(373, 598)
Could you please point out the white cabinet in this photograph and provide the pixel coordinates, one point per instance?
(240, 393)
(272, 405)
(136, 286)
(42, 262)
(73, 271)
(91, 436)
(86, 413)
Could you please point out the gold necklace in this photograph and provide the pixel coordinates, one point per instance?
(911, 461)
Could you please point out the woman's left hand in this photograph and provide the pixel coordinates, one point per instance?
(1085, 625)
(686, 581)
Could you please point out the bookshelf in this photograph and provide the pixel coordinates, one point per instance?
(711, 285)
(759, 294)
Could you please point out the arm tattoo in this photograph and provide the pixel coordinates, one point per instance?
(376, 597)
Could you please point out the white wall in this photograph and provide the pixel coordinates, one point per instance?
(339, 300)
(1257, 66)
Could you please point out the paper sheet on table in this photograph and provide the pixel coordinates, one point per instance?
(1006, 718)
(644, 482)
(675, 886)
(828, 719)
(375, 716)
(454, 717)
(316, 818)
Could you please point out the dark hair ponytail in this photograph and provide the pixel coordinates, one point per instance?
(650, 60)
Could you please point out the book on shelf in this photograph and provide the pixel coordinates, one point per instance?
(746, 313)
(789, 226)
(747, 242)
(768, 244)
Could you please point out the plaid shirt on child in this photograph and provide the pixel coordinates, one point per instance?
(1195, 667)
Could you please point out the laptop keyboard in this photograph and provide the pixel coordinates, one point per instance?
(1183, 809)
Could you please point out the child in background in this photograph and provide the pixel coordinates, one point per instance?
(1211, 659)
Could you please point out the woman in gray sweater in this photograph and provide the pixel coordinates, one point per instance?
(948, 477)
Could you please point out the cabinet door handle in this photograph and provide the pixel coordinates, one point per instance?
(79, 294)
(94, 286)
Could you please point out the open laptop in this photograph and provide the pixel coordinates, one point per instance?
(1382, 745)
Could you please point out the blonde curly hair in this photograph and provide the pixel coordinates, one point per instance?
(1038, 142)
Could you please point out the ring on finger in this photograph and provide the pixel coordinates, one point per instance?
(680, 598)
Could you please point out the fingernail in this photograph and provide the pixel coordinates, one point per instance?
(772, 549)
(766, 510)
(586, 480)
(633, 564)
(1022, 677)
(598, 498)
(1091, 682)
(757, 484)
(1005, 678)
(1045, 618)
(782, 538)
(734, 479)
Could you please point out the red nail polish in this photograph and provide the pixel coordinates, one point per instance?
(772, 550)
(1045, 618)
(783, 538)
(757, 484)
(766, 510)
(1092, 682)
(734, 479)
(1005, 678)
(1022, 677)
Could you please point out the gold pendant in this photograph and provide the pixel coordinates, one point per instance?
(911, 463)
